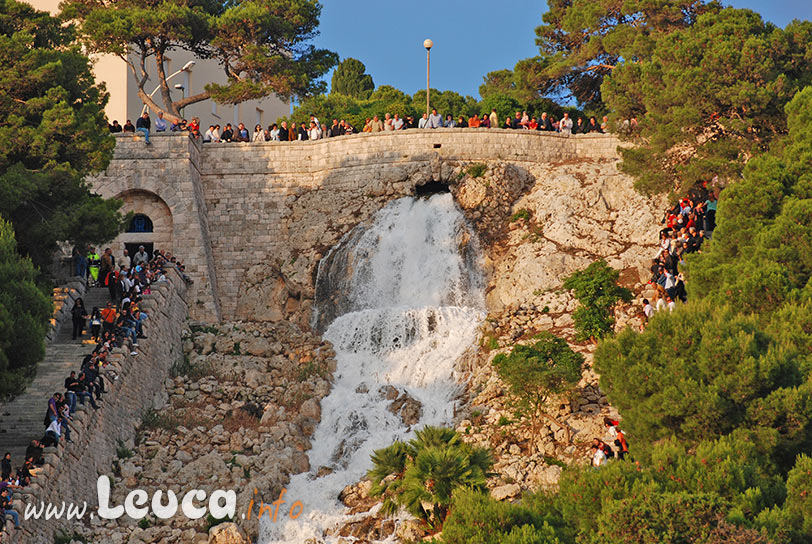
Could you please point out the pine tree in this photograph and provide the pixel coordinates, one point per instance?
(350, 79)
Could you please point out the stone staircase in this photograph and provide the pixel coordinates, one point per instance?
(21, 419)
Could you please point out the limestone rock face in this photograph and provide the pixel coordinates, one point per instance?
(227, 533)
(238, 417)
(578, 213)
(507, 491)
(263, 294)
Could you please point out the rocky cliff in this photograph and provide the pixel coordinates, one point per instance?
(240, 411)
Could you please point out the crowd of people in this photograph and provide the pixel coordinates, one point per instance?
(119, 324)
(314, 129)
(602, 452)
(143, 125)
(687, 225)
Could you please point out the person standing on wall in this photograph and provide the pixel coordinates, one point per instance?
(79, 315)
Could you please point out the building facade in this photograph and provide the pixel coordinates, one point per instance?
(125, 104)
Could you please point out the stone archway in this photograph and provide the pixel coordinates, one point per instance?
(152, 222)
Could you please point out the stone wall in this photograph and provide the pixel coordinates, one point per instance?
(161, 178)
(71, 471)
(63, 298)
(251, 221)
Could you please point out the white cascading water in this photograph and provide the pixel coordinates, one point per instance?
(404, 298)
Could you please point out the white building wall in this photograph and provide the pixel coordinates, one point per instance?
(124, 102)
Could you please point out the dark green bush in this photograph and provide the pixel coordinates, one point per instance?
(597, 292)
(420, 476)
(535, 372)
(476, 517)
(24, 314)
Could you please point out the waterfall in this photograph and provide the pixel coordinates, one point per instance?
(400, 300)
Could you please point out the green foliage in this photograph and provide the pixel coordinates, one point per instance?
(476, 169)
(597, 292)
(675, 496)
(447, 102)
(582, 41)
(385, 99)
(476, 517)
(54, 134)
(122, 451)
(62, 537)
(537, 371)
(420, 476)
(718, 395)
(262, 45)
(350, 78)
(715, 91)
(702, 373)
(505, 106)
(153, 419)
(25, 311)
(524, 214)
(520, 89)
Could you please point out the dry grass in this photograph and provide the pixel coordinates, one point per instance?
(239, 418)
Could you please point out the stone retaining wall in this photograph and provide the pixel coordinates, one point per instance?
(63, 298)
(239, 206)
(71, 470)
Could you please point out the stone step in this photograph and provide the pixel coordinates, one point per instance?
(26, 412)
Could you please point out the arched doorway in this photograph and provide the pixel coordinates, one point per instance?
(140, 224)
(150, 226)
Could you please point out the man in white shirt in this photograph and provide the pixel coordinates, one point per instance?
(565, 125)
(141, 257)
(54, 431)
(435, 119)
(598, 457)
(397, 122)
(648, 309)
(315, 132)
(424, 122)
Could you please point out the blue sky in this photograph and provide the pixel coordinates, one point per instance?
(471, 37)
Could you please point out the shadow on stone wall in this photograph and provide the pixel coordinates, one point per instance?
(281, 284)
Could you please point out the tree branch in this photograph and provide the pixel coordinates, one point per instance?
(199, 97)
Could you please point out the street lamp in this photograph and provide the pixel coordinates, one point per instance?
(186, 68)
(427, 43)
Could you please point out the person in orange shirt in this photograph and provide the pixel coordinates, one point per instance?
(108, 315)
(473, 122)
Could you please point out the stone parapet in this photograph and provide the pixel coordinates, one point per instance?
(63, 298)
(248, 219)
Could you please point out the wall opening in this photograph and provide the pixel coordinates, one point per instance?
(140, 223)
(431, 188)
(132, 248)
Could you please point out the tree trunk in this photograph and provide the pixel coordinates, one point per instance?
(171, 110)
(165, 93)
(565, 427)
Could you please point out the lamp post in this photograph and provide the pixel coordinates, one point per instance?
(186, 68)
(427, 43)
